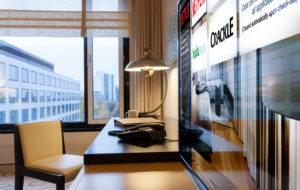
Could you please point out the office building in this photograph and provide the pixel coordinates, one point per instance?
(31, 90)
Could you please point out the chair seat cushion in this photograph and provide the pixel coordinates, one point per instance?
(66, 164)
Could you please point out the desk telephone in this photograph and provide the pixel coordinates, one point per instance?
(145, 131)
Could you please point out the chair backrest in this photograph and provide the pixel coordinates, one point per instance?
(40, 140)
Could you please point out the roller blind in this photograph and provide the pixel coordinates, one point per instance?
(111, 23)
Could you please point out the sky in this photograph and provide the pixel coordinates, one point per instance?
(67, 54)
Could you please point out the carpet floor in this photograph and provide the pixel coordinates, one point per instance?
(7, 182)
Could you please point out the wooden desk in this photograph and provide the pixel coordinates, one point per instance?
(107, 149)
(111, 164)
(141, 176)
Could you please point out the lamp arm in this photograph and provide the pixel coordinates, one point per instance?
(162, 101)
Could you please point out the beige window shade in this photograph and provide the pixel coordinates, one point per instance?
(65, 23)
(108, 23)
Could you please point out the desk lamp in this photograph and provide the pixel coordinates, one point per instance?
(147, 65)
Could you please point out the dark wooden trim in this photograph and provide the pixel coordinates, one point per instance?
(271, 150)
(131, 158)
(85, 75)
(259, 117)
(285, 131)
(67, 127)
(63, 139)
(126, 75)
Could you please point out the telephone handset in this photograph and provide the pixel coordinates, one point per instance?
(145, 131)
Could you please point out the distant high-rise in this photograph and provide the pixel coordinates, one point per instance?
(104, 86)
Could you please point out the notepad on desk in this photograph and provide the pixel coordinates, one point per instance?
(126, 122)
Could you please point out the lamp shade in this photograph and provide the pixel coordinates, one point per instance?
(147, 62)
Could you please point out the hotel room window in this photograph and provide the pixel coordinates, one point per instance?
(13, 73)
(33, 77)
(50, 64)
(25, 75)
(106, 78)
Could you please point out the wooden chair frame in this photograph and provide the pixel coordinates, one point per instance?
(21, 171)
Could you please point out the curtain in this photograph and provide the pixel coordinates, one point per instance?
(66, 23)
(146, 93)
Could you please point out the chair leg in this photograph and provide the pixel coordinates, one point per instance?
(19, 181)
(60, 183)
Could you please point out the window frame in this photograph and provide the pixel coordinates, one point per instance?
(90, 102)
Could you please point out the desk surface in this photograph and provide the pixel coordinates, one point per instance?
(141, 176)
(107, 149)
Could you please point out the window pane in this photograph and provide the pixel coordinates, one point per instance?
(31, 63)
(42, 96)
(111, 5)
(25, 95)
(53, 96)
(33, 77)
(34, 114)
(42, 79)
(13, 73)
(53, 82)
(2, 95)
(34, 96)
(25, 75)
(53, 5)
(48, 96)
(106, 78)
(25, 115)
(58, 83)
(2, 117)
(49, 111)
(48, 80)
(14, 116)
(42, 113)
(13, 95)
(2, 71)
